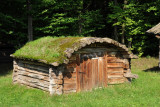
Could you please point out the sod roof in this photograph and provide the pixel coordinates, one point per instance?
(58, 50)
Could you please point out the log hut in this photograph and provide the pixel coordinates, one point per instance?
(156, 31)
(72, 64)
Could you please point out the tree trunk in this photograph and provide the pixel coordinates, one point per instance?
(115, 32)
(80, 25)
(115, 27)
(30, 28)
(123, 34)
(130, 43)
(124, 25)
(80, 18)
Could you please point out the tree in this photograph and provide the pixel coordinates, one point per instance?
(133, 18)
(30, 28)
(12, 22)
(124, 20)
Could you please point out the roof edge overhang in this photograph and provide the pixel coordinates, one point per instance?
(82, 43)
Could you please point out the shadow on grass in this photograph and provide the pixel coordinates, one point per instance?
(6, 68)
(153, 69)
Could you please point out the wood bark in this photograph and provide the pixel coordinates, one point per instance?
(129, 45)
(80, 25)
(123, 34)
(81, 19)
(115, 27)
(30, 21)
(123, 25)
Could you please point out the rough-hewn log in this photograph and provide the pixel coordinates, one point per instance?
(32, 75)
(115, 75)
(32, 66)
(117, 65)
(114, 70)
(87, 41)
(51, 82)
(34, 80)
(130, 75)
(117, 60)
(69, 80)
(116, 80)
(31, 84)
(39, 68)
(31, 71)
(33, 63)
(71, 86)
(23, 82)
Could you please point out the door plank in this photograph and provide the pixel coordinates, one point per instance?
(96, 73)
(77, 72)
(84, 75)
(90, 74)
(100, 69)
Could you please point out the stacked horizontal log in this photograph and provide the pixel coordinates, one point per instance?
(56, 80)
(38, 75)
(30, 74)
(117, 66)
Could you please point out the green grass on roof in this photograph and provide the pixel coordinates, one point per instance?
(50, 49)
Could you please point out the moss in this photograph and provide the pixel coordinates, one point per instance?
(50, 49)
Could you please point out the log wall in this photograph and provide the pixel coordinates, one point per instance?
(31, 74)
(38, 75)
(117, 67)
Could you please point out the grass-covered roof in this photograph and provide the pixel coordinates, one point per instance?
(57, 50)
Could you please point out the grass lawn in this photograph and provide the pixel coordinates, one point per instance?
(143, 92)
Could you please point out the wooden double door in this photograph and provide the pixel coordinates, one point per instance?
(91, 73)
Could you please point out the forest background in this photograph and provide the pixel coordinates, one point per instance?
(123, 20)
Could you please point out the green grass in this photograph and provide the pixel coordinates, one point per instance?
(47, 49)
(143, 92)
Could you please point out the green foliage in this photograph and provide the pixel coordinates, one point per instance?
(81, 17)
(92, 21)
(135, 17)
(12, 23)
(57, 18)
(59, 25)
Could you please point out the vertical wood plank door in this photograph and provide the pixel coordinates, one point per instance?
(91, 73)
